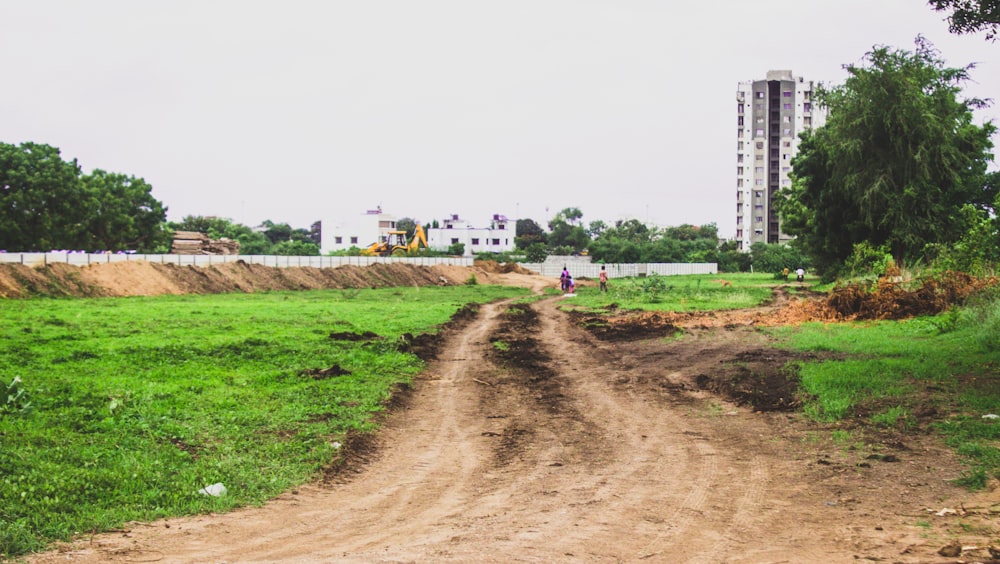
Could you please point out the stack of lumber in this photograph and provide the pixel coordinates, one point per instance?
(195, 243)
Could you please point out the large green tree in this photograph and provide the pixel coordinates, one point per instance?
(528, 233)
(42, 206)
(46, 203)
(898, 157)
(566, 232)
(971, 16)
(123, 215)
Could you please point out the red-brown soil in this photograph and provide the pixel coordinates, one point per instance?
(649, 438)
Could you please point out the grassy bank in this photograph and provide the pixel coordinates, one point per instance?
(124, 408)
(894, 374)
(700, 292)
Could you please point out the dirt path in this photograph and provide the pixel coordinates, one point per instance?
(530, 440)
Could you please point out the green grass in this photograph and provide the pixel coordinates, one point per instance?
(881, 371)
(696, 292)
(130, 405)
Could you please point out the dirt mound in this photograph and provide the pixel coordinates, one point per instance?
(140, 278)
(890, 299)
(494, 267)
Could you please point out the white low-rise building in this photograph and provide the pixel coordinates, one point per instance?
(364, 229)
(497, 238)
(355, 231)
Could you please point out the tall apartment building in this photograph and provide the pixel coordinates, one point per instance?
(770, 115)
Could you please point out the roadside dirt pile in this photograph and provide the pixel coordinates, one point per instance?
(890, 298)
(142, 278)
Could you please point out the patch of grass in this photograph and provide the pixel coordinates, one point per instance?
(137, 403)
(698, 292)
(881, 368)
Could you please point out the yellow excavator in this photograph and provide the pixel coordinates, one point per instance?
(394, 244)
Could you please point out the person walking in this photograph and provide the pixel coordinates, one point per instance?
(564, 280)
(604, 279)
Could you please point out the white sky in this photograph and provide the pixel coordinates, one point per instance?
(303, 110)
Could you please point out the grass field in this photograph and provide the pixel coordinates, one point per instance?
(121, 409)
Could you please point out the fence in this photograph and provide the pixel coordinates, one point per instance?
(84, 259)
(580, 269)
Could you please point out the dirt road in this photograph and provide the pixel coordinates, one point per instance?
(531, 440)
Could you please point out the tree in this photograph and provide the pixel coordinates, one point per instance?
(407, 224)
(294, 248)
(896, 160)
(42, 203)
(971, 16)
(123, 215)
(528, 233)
(566, 233)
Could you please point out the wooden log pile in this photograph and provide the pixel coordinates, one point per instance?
(195, 243)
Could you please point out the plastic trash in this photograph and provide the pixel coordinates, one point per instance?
(991, 416)
(215, 490)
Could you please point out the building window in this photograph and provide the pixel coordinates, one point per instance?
(338, 240)
(501, 226)
(807, 106)
(760, 94)
(760, 145)
(454, 240)
(739, 158)
(786, 119)
(475, 240)
(787, 131)
(739, 121)
(354, 240)
(784, 157)
(758, 194)
(759, 170)
(739, 146)
(739, 220)
(496, 241)
(760, 133)
(759, 219)
(758, 206)
(787, 93)
(786, 106)
(759, 182)
(759, 157)
(787, 143)
(739, 183)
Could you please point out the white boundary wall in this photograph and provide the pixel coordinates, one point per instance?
(579, 269)
(84, 259)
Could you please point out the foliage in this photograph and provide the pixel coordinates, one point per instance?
(566, 235)
(457, 249)
(897, 159)
(15, 399)
(47, 203)
(123, 213)
(269, 238)
(140, 402)
(633, 241)
(867, 262)
(971, 16)
(978, 249)
(295, 249)
(529, 233)
(536, 252)
(776, 257)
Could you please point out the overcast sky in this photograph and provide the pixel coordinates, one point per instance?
(298, 111)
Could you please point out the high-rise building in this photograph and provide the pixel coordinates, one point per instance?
(770, 115)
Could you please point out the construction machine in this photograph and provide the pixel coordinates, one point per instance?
(394, 243)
